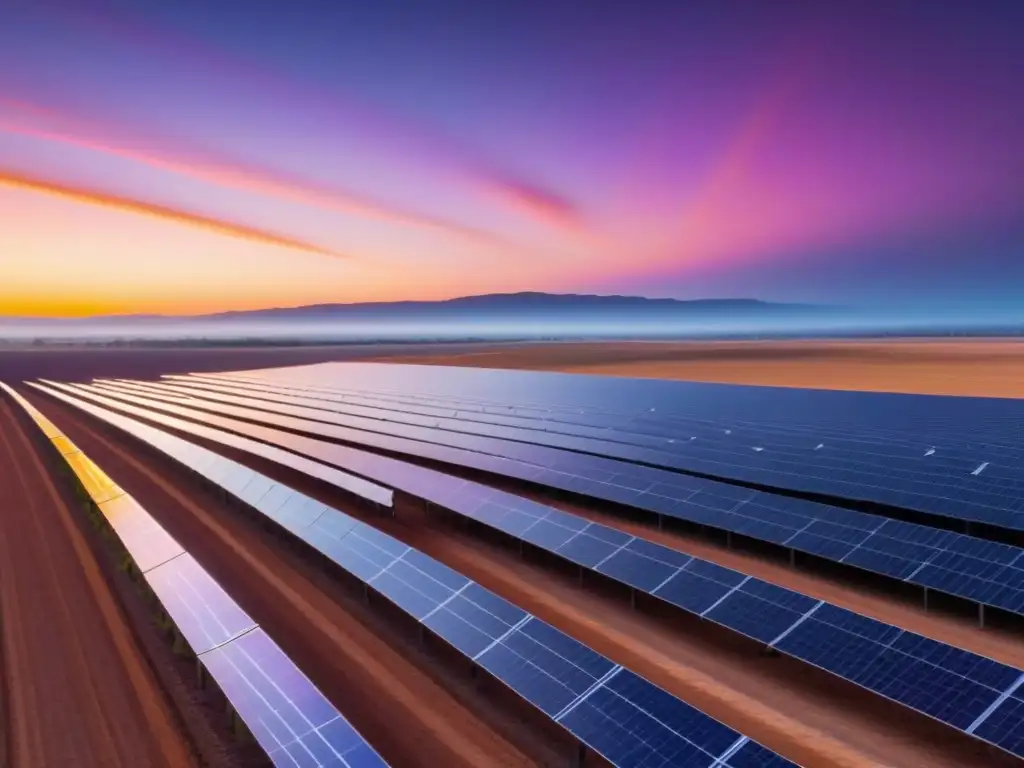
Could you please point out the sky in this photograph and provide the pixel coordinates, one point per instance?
(193, 157)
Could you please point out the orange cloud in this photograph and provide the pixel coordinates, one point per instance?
(233, 176)
(153, 210)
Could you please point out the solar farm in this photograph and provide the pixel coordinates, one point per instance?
(369, 564)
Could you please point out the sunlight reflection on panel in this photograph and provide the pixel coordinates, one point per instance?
(96, 482)
(141, 535)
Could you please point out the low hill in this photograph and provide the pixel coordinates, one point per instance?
(510, 305)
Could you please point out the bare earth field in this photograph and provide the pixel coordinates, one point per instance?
(977, 367)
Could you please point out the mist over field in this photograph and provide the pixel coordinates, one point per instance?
(593, 325)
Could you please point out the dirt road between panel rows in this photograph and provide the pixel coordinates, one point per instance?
(403, 712)
(79, 690)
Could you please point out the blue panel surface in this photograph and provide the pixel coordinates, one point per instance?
(753, 755)
(537, 673)
(546, 667)
(291, 720)
(288, 716)
(799, 446)
(692, 592)
(203, 612)
(754, 616)
(1005, 726)
(895, 549)
(951, 685)
(636, 570)
(587, 550)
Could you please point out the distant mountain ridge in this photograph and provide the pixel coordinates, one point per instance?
(495, 305)
(501, 303)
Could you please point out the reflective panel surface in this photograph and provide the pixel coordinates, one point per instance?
(544, 666)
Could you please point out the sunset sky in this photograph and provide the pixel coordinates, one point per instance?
(190, 156)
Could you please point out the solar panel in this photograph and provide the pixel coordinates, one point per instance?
(845, 469)
(291, 720)
(546, 667)
(377, 406)
(97, 484)
(1001, 723)
(946, 683)
(149, 544)
(351, 483)
(933, 476)
(545, 426)
(870, 413)
(775, 616)
(204, 613)
(941, 560)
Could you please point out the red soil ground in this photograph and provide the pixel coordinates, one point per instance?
(77, 688)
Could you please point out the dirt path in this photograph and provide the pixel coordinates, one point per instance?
(79, 690)
(403, 712)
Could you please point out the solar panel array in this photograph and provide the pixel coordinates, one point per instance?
(289, 717)
(627, 719)
(857, 463)
(952, 685)
(650, 405)
(987, 572)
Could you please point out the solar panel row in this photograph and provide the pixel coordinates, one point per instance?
(289, 717)
(839, 454)
(986, 572)
(873, 447)
(606, 439)
(985, 419)
(873, 444)
(572, 684)
(946, 683)
(949, 478)
(989, 496)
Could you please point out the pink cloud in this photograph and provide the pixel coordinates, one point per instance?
(24, 119)
(509, 191)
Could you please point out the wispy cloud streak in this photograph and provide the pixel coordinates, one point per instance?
(102, 199)
(534, 202)
(507, 190)
(230, 175)
(707, 222)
